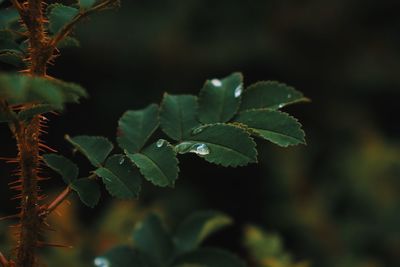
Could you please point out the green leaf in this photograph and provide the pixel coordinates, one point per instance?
(275, 126)
(71, 92)
(60, 15)
(95, 148)
(209, 257)
(8, 16)
(63, 166)
(158, 163)
(123, 256)
(19, 89)
(68, 42)
(178, 115)
(220, 99)
(270, 94)
(136, 126)
(222, 144)
(29, 113)
(7, 41)
(150, 237)
(197, 227)
(12, 57)
(120, 177)
(85, 4)
(88, 191)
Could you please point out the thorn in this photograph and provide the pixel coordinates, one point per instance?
(14, 216)
(45, 244)
(47, 147)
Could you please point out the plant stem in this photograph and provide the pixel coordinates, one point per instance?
(59, 199)
(28, 151)
(27, 137)
(39, 51)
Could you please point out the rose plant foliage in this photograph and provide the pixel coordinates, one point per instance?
(220, 125)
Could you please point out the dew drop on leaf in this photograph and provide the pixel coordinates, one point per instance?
(216, 82)
(101, 262)
(200, 149)
(281, 105)
(238, 91)
(121, 161)
(160, 143)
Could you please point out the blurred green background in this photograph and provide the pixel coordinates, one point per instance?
(334, 202)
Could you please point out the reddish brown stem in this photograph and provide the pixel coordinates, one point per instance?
(58, 200)
(28, 152)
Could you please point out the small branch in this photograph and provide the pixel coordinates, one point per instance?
(15, 216)
(68, 28)
(60, 199)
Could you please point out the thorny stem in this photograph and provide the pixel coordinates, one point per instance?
(41, 51)
(27, 137)
(30, 225)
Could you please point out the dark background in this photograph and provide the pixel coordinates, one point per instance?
(334, 202)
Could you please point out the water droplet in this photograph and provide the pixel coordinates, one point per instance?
(121, 161)
(238, 91)
(216, 82)
(200, 149)
(289, 95)
(101, 262)
(160, 143)
(281, 105)
(197, 130)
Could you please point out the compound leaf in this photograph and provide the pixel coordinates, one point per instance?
(66, 168)
(94, 148)
(120, 177)
(220, 99)
(178, 115)
(275, 126)
(157, 163)
(223, 144)
(59, 15)
(151, 238)
(271, 95)
(88, 191)
(209, 257)
(197, 227)
(136, 126)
